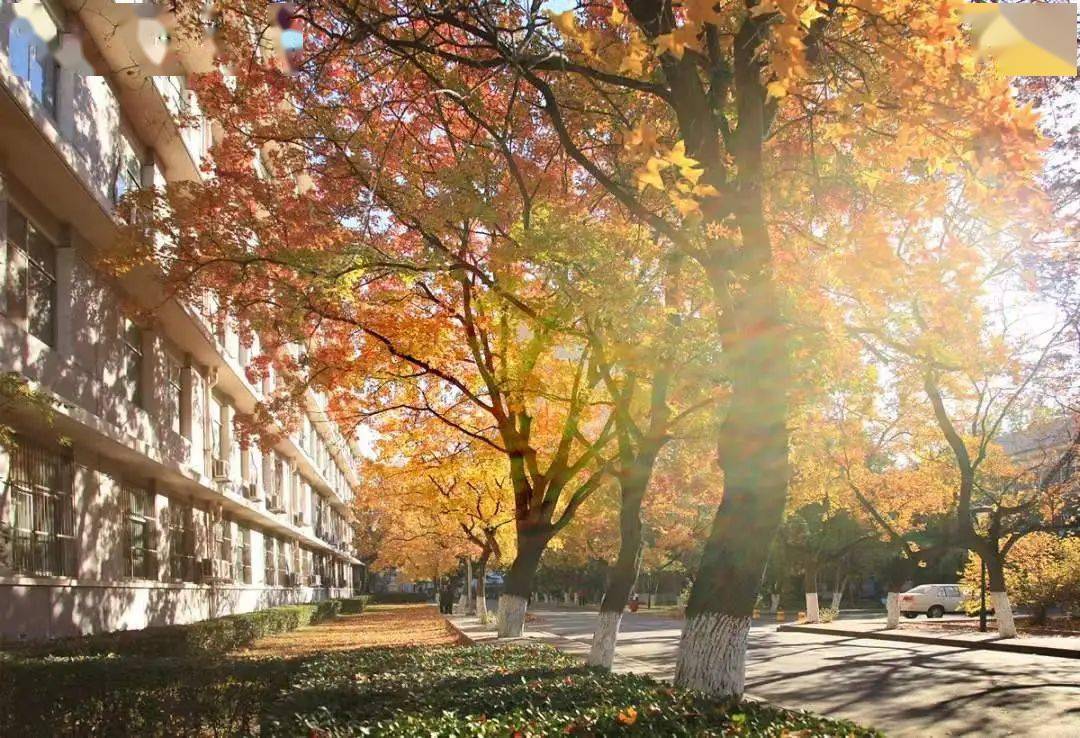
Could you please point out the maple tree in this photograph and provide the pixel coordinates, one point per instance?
(1041, 571)
(441, 498)
(802, 156)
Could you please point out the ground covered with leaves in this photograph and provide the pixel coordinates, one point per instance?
(402, 675)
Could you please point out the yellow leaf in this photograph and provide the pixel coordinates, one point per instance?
(565, 22)
(706, 191)
(627, 716)
(650, 175)
(701, 11)
(678, 40)
(777, 88)
(688, 166)
(617, 16)
(685, 205)
(642, 139)
(811, 14)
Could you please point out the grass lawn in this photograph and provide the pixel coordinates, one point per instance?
(392, 671)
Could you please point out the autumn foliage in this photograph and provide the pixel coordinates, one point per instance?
(665, 269)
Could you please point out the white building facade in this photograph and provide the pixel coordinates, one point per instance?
(135, 505)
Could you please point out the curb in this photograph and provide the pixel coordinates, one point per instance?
(467, 640)
(1025, 648)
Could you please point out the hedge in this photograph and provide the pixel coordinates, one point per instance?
(464, 691)
(213, 637)
(400, 598)
(354, 605)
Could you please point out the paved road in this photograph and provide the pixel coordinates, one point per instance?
(905, 689)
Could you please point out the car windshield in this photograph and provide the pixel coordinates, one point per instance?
(922, 588)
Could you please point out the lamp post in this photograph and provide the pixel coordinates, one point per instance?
(982, 597)
(977, 511)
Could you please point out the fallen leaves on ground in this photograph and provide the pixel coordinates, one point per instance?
(380, 625)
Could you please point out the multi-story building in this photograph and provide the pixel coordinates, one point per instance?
(134, 505)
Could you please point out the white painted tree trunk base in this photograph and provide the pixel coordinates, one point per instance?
(481, 610)
(1003, 614)
(774, 603)
(813, 614)
(512, 616)
(892, 610)
(712, 654)
(602, 653)
(836, 598)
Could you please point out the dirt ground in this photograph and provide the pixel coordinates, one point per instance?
(379, 625)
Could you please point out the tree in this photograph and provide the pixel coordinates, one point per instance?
(443, 494)
(758, 140)
(1042, 571)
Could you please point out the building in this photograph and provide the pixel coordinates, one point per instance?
(135, 505)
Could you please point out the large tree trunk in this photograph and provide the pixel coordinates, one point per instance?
(898, 572)
(892, 609)
(624, 573)
(754, 457)
(813, 614)
(838, 593)
(481, 588)
(519, 583)
(999, 598)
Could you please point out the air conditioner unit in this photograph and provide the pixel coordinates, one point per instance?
(251, 491)
(299, 520)
(274, 504)
(214, 570)
(220, 470)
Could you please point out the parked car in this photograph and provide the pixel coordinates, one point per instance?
(933, 599)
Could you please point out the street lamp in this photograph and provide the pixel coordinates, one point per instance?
(977, 511)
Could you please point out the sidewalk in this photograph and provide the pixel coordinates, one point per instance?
(1061, 646)
(470, 627)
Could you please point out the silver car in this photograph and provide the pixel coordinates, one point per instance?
(933, 599)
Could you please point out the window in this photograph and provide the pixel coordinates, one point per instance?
(42, 516)
(174, 89)
(282, 563)
(132, 339)
(33, 62)
(242, 555)
(279, 479)
(223, 546)
(173, 387)
(181, 543)
(140, 536)
(270, 560)
(31, 277)
(128, 171)
(217, 436)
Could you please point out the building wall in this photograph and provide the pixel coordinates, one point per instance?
(110, 440)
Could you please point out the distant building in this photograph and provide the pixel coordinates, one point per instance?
(154, 513)
(1042, 445)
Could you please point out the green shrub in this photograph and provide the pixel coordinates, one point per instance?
(478, 691)
(400, 598)
(214, 637)
(354, 605)
(508, 690)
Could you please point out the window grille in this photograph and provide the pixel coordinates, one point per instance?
(182, 565)
(133, 361)
(140, 532)
(31, 277)
(43, 517)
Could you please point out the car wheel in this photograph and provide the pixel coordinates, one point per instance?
(935, 612)
(911, 615)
